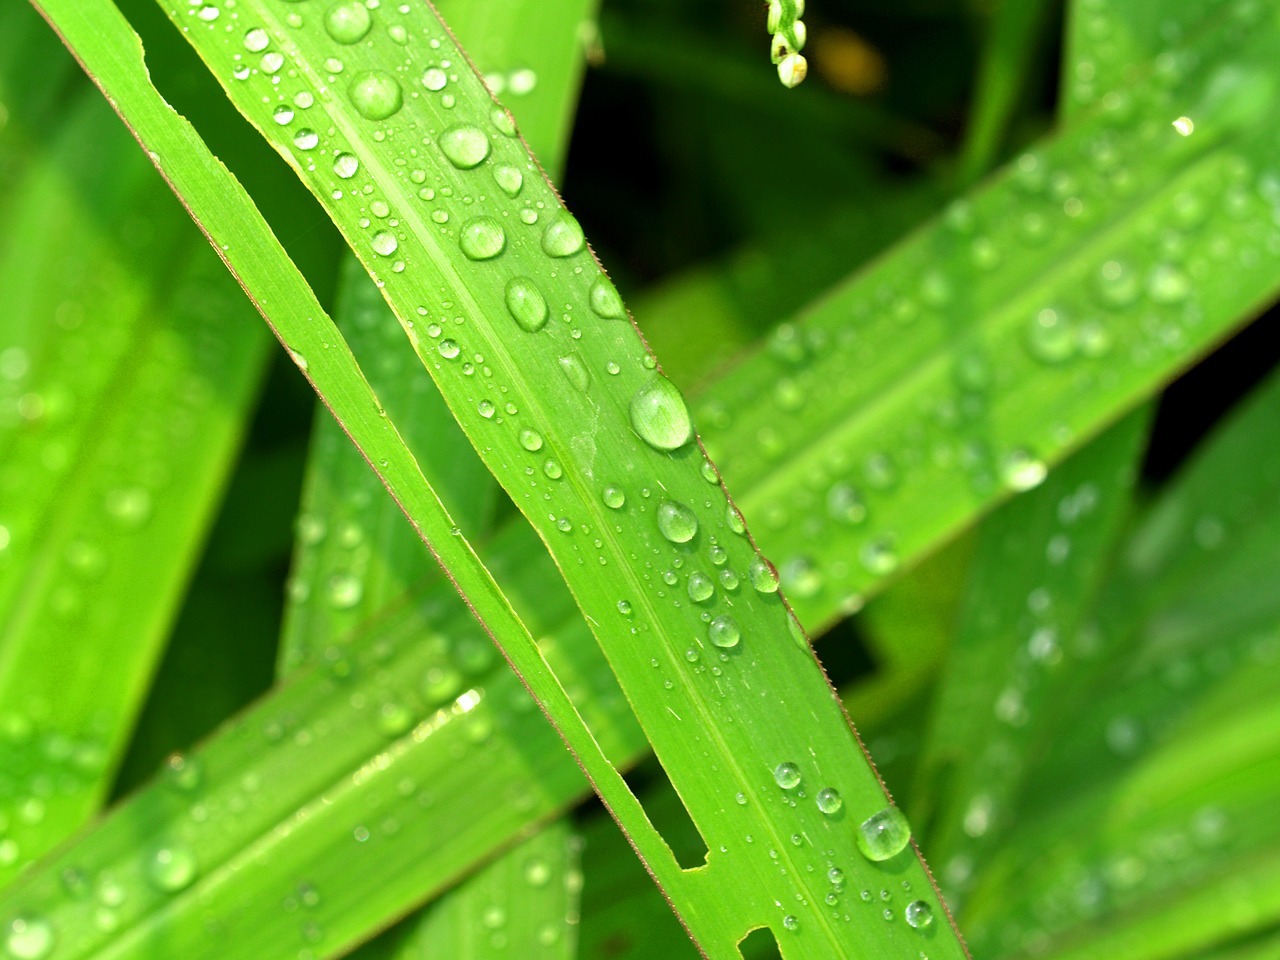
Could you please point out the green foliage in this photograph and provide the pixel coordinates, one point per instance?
(1075, 703)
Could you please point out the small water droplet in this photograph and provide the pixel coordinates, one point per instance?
(879, 557)
(376, 95)
(613, 496)
(502, 122)
(883, 835)
(829, 800)
(605, 300)
(700, 587)
(919, 914)
(531, 440)
(1021, 470)
(464, 146)
(384, 242)
(553, 470)
(526, 304)
(345, 165)
(723, 632)
(786, 775)
(509, 180)
(624, 608)
(283, 114)
(562, 236)
(791, 922)
(434, 79)
(482, 238)
(676, 522)
(660, 417)
(576, 372)
(1050, 337)
(306, 139)
(257, 40)
(348, 22)
(1168, 285)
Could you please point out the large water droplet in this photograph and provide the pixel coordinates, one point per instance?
(829, 801)
(919, 914)
(384, 242)
(762, 576)
(883, 835)
(786, 775)
(376, 95)
(345, 165)
(660, 417)
(701, 587)
(306, 139)
(509, 180)
(464, 146)
(526, 304)
(676, 522)
(605, 300)
(348, 22)
(29, 938)
(433, 78)
(613, 496)
(576, 372)
(257, 40)
(482, 238)
(562, 237)
(723, 632)
(531, 440)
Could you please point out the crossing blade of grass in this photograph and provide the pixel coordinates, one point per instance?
(1177, 735)
(523, 905)
(1075, 327)
(1037, 566)
(537, 419)
(786, 668)
(129, 370)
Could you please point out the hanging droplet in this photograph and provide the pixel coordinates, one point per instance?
(562, 237)
(526, 304)
(676, 522)
(482, 238)
(464, 146)
(605, 300)
(376, 95)
(883, 835)
(660, 417)
(348, 22)
(762, 577)
(723, 632)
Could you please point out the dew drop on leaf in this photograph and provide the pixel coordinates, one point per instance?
(348, 22)
(613, 496)
(562, 237)
(384, 242)
(676, 522)
(786, 775)
(700, 587)
(762, 576)
(345, 165)
(919, 914)
(171, 868)
(723, 632)
(531, 440)
(376, 95)
(576, 372)
(883, 835)
(29, 938)
(525, 303)
(482, 238)
(433, 78)
(464, 146)
(829, 801)
(509, 180)
(660, 417)
(605, 300)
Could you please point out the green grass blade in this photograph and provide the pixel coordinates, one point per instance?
(1037, 567)
(569, 432)
(129, 374)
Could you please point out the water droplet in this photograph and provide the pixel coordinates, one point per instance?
(29, 938)
(723, 632)
(348, 22)
(624, 608)
(486, 409)
(1050, 338)
(879, 557)
(786, 775)
(829, 800)
(1118, 284)
(919, 914)
(257, 40)
(282, 114)
(344, 590)
(660, 417)
(509, 180)
(836, 877)
(762, 576)
(1021, 470)
(676, 522)
(482, 238)
(576, 372)
(700, 587)
(729, 579)
(433, 78)
(531, 440)
(605, 300)
(562, 237)
(171, 868)
(345, 165)
(553, 470)
(791, 922)
(526, 304)
(883, 835)
(613, 496)
(306, 139)
(502, 122)
(183, 773)
(1168, 285)
(376, 95)
(464, 146)
(271, 61)
(384, 242)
